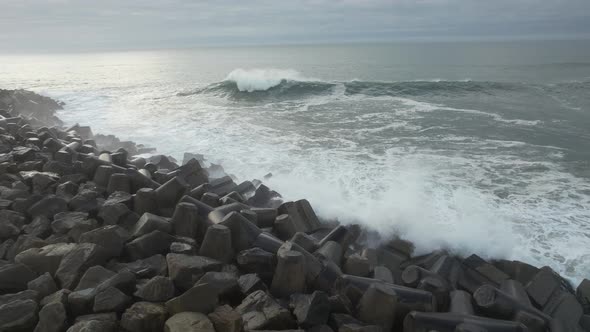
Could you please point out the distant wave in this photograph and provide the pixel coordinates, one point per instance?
(263, 84)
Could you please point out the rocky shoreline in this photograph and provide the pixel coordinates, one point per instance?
(93, 238)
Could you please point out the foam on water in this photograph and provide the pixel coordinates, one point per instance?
(374, 160)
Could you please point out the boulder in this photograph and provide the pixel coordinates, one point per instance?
(250, 283)
(185, 270)
(185, 220)
(93, 277)
(52, 318)
(93, 326)
(189, 322)
(111, 300)
(65, 221)
(207, 296)
(149, 223)
(110, 237)
(40, 227)
(144, 317)
(258, 261)
(48, 206)
(217, 243)
(15, 277)
(44, 285)
(113, 214)
(18, 316)
(311, 310)
(226, 319)
(45, 259)
(289, 277)
(147, 245)
(157, 289)
(77, 261)
(260, 311)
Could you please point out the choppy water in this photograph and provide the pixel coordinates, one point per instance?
(475, 147)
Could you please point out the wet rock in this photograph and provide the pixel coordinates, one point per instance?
(111, 237)
(151, 244)
(168, 194)
(44, 285)
(302, 214)
(185, 220)
(268, 242)
(357, 265)
(243, 232)
(311, 310)
(93, 326)
(15, 277)
(383, 273)
(188, 322)
(119, 182)
(113, 214)
(225, 284)
(157, 289)
(260, 311)
(18, 316)
(8, 230)
(331, 250)
(22, 243)
(289, 277)
(66, 190)
(226, 319)
(111, 300)
(305, 241)
(77, 261)
(64, 222)
(181, 248)
(144, 317)
(378, 306)
(542, 286)
(185, 270)
(207, 296)
(145, 201)
(143, 268)
(583, 294)
(80, 302)
(52, 318)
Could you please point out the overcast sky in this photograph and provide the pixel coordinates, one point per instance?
(39, 25)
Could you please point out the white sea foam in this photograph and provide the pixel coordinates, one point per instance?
(251, 80)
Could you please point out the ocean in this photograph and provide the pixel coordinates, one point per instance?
(475, 147)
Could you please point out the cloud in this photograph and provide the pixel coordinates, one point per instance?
(105, 24)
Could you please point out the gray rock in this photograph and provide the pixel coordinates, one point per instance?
(52, 318)
(208, 299)
(311, 310)
(111, 300)
(302, 214)
(357, 265)
(250, 283)
(185, 220)
(260, 311)
(182, 248)
(151, 244)
(20, 296)
(44, 285)
(378, 306)
(48, 206)
(217, 243)
(144, 268)
(93, 277)
(157, 289)
(149, 223)
(15, 277)
(65, 221)
(46, 259)
(289, 277)
(144, 317)
(120, 197)
(86, 201)
(60, 296)
(258, 261)
(80, 302)
(185, 270)
(226, 319)
(104, 317)
(224, 283)
(583, 294)
(93, 326)
(18, 316)
(66, 190)
(77, 261)
(8, 230)
(39, 227)
(23, 243)
(243, 232)
(110, 237)
(188, 322)
(112, 214)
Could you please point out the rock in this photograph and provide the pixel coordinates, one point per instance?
(311, 310)
(383, 273)
(583, 294)
(217, 244)
(111, 237)
(86, 201)
(40, 227)
(357, 265)
(185, 220)
(20, 296)
(105, 317)
(145, 201)
(119, 182)
(224, 283)
(52, 318)
(124, 281)
(60, 296)
(250, 283)
(542, 286)
(77, 261)
(93, 326)
(113, 214)
(185, 270)
(260, 311)
(168, 194)
(65, 221)
(48, 206)
(226, 319)
(378, 306)
(302, 214)
(243, 232)
(44, 285)
(45, 259)
(93, 277)
(66, 190)
(207, 296)
(157, 289)
(24, 242)
(289, 277)
(80, 302)
(181, 248)
(147, 245)
(144, 268)
(18, 316)
(111, 300)
(258, 261)
(144, 317)
(149, 223)
(15, 277)
(285, 227)
(8, 230)
(305, 241)
(120, 197)
(188, 322)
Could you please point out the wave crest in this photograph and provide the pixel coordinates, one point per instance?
(250, 80)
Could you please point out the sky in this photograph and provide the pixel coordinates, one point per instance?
(45, 25)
